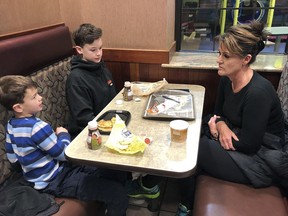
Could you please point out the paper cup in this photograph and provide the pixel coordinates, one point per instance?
(178, 130)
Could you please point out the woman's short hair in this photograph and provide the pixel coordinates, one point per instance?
(244, 39)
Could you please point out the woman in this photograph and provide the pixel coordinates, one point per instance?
(246, 130)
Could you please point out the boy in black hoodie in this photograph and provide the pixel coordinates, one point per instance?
(89, 86)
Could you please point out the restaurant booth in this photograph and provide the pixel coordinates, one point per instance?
(44, 48)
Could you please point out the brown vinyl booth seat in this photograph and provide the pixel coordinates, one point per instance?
(44, 55)
(215, 197)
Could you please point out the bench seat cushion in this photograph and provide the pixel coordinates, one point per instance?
(221, 198)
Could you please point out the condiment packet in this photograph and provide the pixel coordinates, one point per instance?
(147, 139)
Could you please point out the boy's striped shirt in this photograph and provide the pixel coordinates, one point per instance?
(33, 143)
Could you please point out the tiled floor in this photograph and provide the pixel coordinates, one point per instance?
(168, 201)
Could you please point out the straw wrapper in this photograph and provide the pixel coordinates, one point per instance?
(123, 141)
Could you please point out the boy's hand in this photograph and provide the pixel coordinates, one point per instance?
(60, 129)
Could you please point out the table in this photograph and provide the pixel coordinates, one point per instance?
(279, 31)
(162, 157)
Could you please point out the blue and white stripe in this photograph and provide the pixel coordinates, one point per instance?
(33, 143)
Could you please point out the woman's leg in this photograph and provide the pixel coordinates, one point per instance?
(216, 162)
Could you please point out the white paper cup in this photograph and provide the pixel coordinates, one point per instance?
(178, 130)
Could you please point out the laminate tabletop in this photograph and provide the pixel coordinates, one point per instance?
(161, 157)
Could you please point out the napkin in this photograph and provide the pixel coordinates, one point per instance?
(122, 140)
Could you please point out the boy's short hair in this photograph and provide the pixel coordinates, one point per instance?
(86, 34)
(13, 89)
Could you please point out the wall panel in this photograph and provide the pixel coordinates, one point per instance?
(133, 24)
(207, 78)
(19, 15)
(127, 24)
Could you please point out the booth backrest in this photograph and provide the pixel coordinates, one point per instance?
(283, 95)
(44, 55)
(26, 52)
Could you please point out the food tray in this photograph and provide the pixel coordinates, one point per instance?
(123, 114)
(170, 104)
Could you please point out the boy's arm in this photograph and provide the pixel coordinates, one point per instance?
(11, 156)
(49, 142)
(83, 109)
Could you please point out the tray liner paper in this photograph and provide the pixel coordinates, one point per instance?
(123, 141)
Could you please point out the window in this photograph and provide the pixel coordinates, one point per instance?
(199, 21)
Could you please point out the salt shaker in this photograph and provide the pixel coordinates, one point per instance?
(127, 94)
(94, 139)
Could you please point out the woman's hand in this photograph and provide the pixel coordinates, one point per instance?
(213, 127)
(226, 135)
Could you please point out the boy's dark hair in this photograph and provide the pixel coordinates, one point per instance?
(13, 89)
(86, 34)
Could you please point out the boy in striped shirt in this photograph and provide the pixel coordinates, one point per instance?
(39, 150)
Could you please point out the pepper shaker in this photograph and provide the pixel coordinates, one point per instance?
(127, 94)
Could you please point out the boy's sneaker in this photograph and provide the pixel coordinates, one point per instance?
(183, 211)
(136, 189)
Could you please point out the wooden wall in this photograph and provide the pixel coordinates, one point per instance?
(138, 36)
(134, 31)
(154, 72)
(19, 15)
(127, 24)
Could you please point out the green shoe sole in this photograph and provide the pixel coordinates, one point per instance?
(149, 196)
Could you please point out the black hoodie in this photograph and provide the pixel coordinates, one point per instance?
(89, 88)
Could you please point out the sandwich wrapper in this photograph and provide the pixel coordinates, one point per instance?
(123, 141)
(144, 89)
